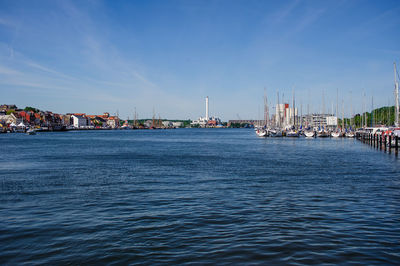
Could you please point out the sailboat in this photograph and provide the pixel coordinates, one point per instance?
(340, 132)
(31, 131)
(292, 133)
(322, 133)
(309, 133)
(261, 132)
(336, 134)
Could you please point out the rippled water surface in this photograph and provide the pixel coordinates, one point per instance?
(196, 195)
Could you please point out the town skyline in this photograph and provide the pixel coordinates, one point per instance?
(168, 56)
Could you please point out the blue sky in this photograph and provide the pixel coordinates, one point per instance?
(96, 56)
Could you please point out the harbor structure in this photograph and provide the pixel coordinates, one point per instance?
(207, 121)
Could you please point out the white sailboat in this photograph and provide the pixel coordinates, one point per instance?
(309, 133)
(276, 132)
(261, 132)
(323, 133)
(335, 134)
(31, 131)
(292, 133)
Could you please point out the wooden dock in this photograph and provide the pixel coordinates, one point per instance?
(387, 143)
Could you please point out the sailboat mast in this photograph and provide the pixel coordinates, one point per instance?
(396, 92)
(372, 113)
(388, 118)
(301, 114)
(343, 115)
(278, 120)
(294, 114)
(265, 108)
(323, 107)
(351, 110)
(363, 110)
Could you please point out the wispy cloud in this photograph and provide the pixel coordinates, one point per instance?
(8, 71)
(40, 67)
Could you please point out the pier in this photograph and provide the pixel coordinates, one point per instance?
(387, 143)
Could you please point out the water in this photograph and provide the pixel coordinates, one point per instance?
(196, 196)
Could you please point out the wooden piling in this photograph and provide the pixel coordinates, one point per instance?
(396, 147)
(390, 143)
(384, 142)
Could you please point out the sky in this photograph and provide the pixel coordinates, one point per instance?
(164, 57)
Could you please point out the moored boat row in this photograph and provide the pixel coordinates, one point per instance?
(308, 133)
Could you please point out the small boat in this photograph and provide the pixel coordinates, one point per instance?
(292, 134)
(309, 134)
(323, 134)
(31, 132)
(276, 133)
(261, 133)
(350, 134)
(336, 134)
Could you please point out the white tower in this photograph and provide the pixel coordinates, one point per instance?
(207, 117)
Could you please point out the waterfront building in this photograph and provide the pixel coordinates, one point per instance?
(167, 123)
(16, 118)
(104, 120)
(177, 124)
(113, 121)
(99, 120)
(288, 116)
(8, 119)
(202, 122)
(320, 120)
(80, 121)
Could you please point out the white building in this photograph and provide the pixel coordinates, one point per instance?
(167, 123)
(8, 119)
(320, 120)
(79, 121)
(286, 115)
(113, 122)
(201, 122)
(177, 124)
(331, 121)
